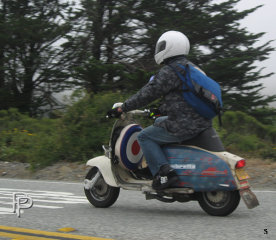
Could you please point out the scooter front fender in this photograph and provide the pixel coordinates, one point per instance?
(103, 163)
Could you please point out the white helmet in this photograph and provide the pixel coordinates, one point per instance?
(170, 44)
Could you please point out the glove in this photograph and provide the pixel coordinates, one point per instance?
(154, 113)
(113, 113)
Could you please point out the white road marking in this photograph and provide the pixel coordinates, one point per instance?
(46, 206)
(52, 199)
(37, 191)
(264, 191)
(46, 199)
(39, 181)
(3, 209)
(58, 201)
(36, 205)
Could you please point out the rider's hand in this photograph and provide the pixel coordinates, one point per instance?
(115, 112)
(154, 113)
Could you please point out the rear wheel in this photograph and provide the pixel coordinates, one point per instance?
(101, 195)
(219, 203)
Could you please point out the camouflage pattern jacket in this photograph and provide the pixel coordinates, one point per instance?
(182, 120)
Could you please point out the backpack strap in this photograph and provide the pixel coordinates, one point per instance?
(219, 117)
(183, 78)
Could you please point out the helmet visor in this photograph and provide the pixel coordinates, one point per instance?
(160, 46)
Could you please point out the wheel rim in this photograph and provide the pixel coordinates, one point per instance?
(217, 199)
(101, 190)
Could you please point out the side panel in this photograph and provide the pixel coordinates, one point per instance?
(103, 163)
(200, 170)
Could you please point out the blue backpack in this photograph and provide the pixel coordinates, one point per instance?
(200, 92)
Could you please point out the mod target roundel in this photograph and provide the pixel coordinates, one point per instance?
(128, 148)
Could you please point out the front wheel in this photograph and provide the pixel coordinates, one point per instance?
(219, 203)
(101, 195)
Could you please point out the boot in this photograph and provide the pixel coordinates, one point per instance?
(165, 178)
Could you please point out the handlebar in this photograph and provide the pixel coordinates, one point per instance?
(139, 112)
(150, 113)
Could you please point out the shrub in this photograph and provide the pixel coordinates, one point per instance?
(79, 133)
(245, 143)
(242, 123)
(269, 153)
(84, 127)
(27, 139)
(241, 132)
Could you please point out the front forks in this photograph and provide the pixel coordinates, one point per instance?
(89, 184)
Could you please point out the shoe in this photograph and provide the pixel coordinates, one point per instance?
(143, 173)
(165, 178)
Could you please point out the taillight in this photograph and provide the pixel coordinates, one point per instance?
(240, 164)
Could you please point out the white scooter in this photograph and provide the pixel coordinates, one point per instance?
(215, 178)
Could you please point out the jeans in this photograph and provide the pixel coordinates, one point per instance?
(151, 140)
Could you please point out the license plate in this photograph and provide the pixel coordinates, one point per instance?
(241, 174)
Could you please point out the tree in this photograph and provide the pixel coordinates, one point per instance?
(117, 39)
(236, 54)
(102, 44)
(3, 44)
(218, 44)
(31, 64)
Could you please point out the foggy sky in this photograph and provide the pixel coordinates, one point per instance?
(263, 20)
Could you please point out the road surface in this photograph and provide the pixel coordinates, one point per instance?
(63, 205)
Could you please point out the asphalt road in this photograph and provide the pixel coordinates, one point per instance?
(63, 205)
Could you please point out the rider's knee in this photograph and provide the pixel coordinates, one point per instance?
(141, 136)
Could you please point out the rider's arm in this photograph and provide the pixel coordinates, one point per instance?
(162, 83)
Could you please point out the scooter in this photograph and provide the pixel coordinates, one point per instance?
(207, 173)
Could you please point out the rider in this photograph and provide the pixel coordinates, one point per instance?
(181, 121)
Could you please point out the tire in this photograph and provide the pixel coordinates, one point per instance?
(101, 195)
(219, 203)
